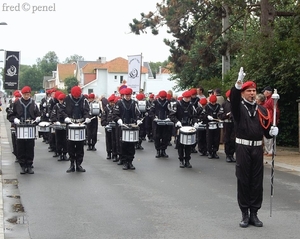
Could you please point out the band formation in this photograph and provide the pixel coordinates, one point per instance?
(193, 122)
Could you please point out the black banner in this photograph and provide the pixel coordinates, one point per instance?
(11, 70)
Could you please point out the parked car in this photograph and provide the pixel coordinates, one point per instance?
(38, 97)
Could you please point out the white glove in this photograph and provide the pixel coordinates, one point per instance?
(241, 75)
(16, 121)
(47, 114)
(146, 114)
(209, 117)
(120, 122)
(44, 105)
(138, 122)
(38, 119)
(273, 131)
(107, 126)
(196, 125)
(178, 124)
(67, 120)
(87, 120)
(57, 123)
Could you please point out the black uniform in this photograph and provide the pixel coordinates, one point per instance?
(213, 134)
(45, 116)
(51, 136)
(201, 132)
(9, 111)
(228, 129)
(251, 124)
(148, 121)
(185, 113)
(77, 110)
(160, 111)
(92, 127)
(128, 111)
(25, 111)
(110, 132)
(57, 117)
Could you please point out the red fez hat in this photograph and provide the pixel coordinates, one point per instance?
(61, 96)
(203, 101)
(140, 96)
(127, 91)
(76, 91)
(116, 99)
(122, 91)
(179, 98)
(162, 94)
(193, 91)
(111, 98)
(187, 94)
(151, 96)
(213, 98)
(57, 93)
(26, 89)
(228, 94)
(48, 92)
(91, 96)
(169, 96)
(122, 87)
(248, 84)
(17, 94)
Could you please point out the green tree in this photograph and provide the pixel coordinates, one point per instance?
(31, 76)
(48, 63)
(70, 82)
(74, 58)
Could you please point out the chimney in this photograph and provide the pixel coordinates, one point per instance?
(101, 59)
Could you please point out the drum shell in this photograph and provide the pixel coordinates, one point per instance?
(187, 135)
(57, 127)
(212, 125)
(43, 127)
(164, 122)
(130, 134)
(25, 131)
(76, 132)
(202, 127)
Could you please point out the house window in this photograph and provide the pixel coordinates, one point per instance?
(116, 77)
(90, 91)
(121, 79)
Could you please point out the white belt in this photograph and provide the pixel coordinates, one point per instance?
(248, 142)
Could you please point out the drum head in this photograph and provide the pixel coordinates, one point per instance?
(187, 129)
(44, 124)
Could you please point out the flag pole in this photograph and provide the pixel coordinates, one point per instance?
(275, 98)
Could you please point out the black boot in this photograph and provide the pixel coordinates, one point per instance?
(125, 165)
(108, 156)
(29, 169)
(215, 155)
(228, 159)
(254, 220)
(89, 148)
(181, 164)
(65, 158)
(72, 167)
(187, 164)
(79, 168)
(55, 155)
(115, 158)
(163, 153)
(120, 162)
(23, 170)
(93, 148)
(158, 154)
(130, 166)
(245, 220)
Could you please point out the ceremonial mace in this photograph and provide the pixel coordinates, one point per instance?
(275, 98)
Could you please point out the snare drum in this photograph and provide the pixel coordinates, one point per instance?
(164, 122)
(212, 125)
(142, 106)
(76, 132)
(220, 125)
(130, 133)
(187, 135)
(25, 131)
(44, 126)
(58, 127)
(201, 127)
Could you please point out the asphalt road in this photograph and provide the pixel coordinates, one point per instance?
(157, 200)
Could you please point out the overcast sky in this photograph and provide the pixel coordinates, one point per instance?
(87, 28)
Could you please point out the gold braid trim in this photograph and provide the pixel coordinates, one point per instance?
(263, 118)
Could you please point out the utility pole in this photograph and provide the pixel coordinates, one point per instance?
(226, 57)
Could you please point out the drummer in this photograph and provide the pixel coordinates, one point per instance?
(57, 118)
(25, 110)
(126, 112)
(77, 111)
(201, 132)
(142, 127)
(213, 132)
(184, 114)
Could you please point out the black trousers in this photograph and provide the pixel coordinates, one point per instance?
(128, 151)
(25, 149)
(201, 139)
(61, 141)
(76, 151)
(213, 140)
(249, 173)
(229, 139)
(184, 151)
(92, 130)
(161, 135)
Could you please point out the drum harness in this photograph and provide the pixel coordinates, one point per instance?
(127, 109)
(25, 108)
(76, 111)
(185, 118)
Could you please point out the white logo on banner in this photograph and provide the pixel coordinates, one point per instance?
(11, 71)
(134, 72)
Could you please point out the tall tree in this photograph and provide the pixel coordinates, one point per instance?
(70, 82)
(74, 58)
(32, 77)
(48, 63)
